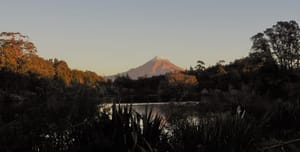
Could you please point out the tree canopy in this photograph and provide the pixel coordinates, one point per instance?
(280, 43)
(18, 54)
(14, 46)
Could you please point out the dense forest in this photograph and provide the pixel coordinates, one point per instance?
(46, 106)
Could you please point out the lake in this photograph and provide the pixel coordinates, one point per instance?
(170, 111)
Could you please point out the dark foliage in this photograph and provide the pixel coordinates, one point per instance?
(46, 106)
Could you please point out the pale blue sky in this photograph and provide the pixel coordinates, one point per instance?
(110, 36)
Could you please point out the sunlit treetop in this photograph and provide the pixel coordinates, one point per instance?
(17, 43)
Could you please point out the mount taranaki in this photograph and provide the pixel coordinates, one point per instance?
(156, 66)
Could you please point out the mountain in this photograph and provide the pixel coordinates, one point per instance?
(156, 66)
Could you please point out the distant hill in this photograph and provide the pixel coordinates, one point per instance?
(156, 66)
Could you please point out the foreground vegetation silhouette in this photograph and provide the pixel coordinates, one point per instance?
(253, 102)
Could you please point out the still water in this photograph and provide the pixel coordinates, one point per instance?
(169, 111)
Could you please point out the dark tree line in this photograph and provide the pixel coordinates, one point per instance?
(176, 86)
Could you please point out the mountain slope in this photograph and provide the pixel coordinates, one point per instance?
(154, 67)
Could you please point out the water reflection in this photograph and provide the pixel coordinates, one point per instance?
(171, 112)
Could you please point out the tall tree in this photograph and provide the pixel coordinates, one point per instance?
(280, 43)
(13, 46)
(62, 71)
(200, 66)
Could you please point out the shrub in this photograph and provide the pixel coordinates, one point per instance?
(223, 133)
(283, 120)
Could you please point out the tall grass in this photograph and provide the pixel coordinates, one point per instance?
(128, 131)
(136, 132)
(283, 120)
(123, 131)
(224, 133)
